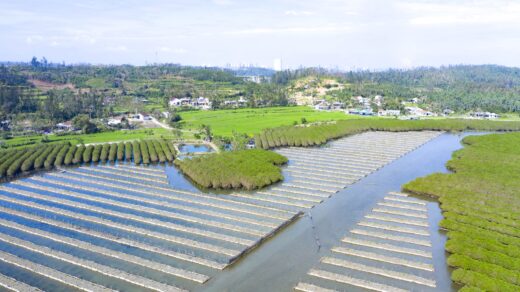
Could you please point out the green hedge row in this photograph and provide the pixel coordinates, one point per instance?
(128, 151)
(112, 152)
(317, 134)
(49, 161)
(120, 151)
(144, 152)
(48, 156)
(87, 155)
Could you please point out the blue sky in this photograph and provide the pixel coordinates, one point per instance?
(330, 33)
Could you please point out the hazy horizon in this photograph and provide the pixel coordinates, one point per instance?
(332, 34)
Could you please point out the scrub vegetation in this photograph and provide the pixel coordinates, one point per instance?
(244, 169)
(481, 205)
(317, 134)
(24, 160)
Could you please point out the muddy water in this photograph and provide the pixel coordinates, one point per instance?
(280, 263)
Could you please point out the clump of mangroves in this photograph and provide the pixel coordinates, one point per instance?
(318, 134)
(49, 156)
(480, 201)
(243, 169)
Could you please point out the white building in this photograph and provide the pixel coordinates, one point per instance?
(176, 102)
(416, 111)
(322, 106)
(378, 100)
(485, 115)
(389, 113)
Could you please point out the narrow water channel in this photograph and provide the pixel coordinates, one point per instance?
(280, 263)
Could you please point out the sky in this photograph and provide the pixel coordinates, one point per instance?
(342, 34)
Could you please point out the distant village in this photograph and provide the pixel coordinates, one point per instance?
(365, 106)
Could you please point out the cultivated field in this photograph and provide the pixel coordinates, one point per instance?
(252, 121)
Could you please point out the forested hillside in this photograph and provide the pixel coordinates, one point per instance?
(461, 88)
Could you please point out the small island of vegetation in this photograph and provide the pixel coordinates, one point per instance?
(242, 169)
(481, 205)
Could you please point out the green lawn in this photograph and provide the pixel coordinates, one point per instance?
(252, 121)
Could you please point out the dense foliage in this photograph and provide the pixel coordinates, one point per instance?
(311, 135)
(248, 169)
(481, 205)
(27, 159)
(460, 88)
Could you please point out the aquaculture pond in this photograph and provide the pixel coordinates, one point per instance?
(194, 148)
(129, 228)
(285, 261)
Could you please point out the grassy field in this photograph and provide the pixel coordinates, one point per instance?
(481, 207)
(252, 121)
(120, 135)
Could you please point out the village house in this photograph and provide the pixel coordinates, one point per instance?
(485, 115)
(378, 100)
(201, 103)
(389, 113)
(176, 102)
(322, 106)
(115, 121)
(65, 126)
(416, 111)
(338, 105)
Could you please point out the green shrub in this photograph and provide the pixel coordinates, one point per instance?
(52, 150)
(128, 151)
(96, 152)
(78, 155)
(151, 150)
(61, 155)
(112, 152)
(137, 152)
(144, 152)
(14, 156)
(70, 155)
(28, 163)
(49, 161)
(15, 166)
(120, 151)
(104, 152)
(166, 150)
(87, 155)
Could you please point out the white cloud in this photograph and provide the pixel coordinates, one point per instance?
(33, 38)
(118, 48)
(475, 12)
(292, 30)
(298, 13)
(222, 2)
(170, 50)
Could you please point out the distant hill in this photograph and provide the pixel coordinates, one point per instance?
(461, 87)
